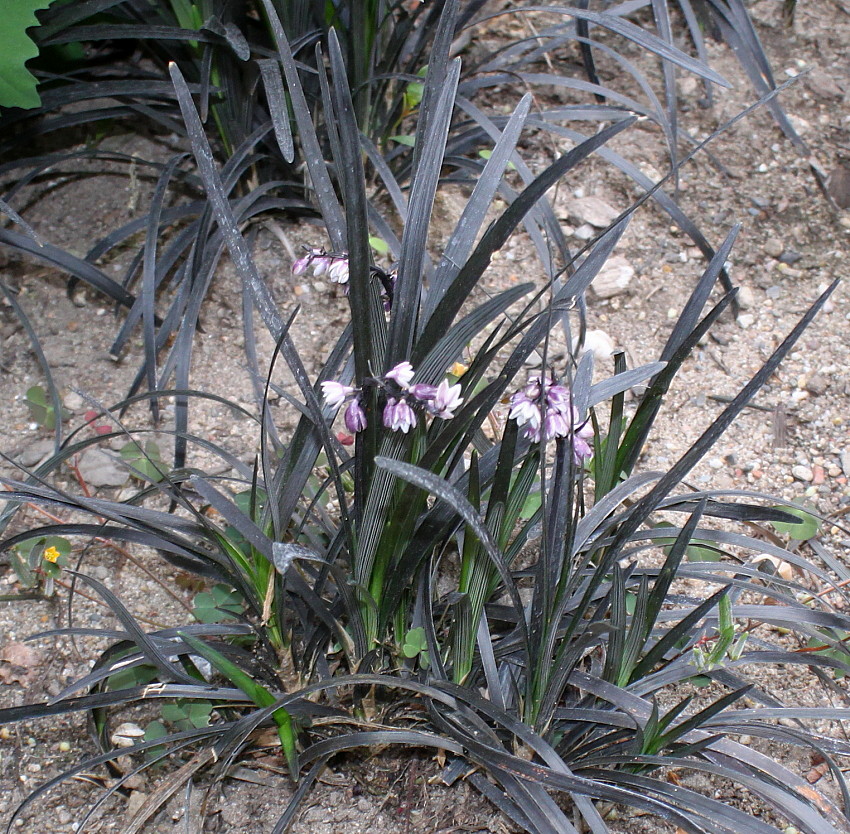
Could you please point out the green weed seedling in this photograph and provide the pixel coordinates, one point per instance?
(416, 646)
(146, 462)
(218, 604)
(41, 408)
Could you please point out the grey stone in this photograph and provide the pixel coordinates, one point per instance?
(746, 298)
(845, 462)
(817, 384)
(36, 452)
(614, 278)
(745, 320)
(593, 210)
(100, 469)
(600, 344)
(802, 473)
(774, 247)
(823, 85)
(584, 232)
(73, 401)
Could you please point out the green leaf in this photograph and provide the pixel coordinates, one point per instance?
(257, 693)
(173, 713)
(134, 676)
(807, 528)
(416, 645)
(17, 83)
(155, 730)
(410, 141)
(486, 154)
(220, 603)
(40, 406)
(531, 505)
(379, 245)
(147, 463)
(698, 550)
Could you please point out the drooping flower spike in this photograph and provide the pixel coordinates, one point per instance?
(336, 266)
(403, 399)
(547, 412)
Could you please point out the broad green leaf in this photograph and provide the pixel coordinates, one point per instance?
(218, 604)
(39, 404)
(808, 527)
(410, 141)
(17, 83)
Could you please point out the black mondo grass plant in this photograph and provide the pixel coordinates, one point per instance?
(472, 565)
(239, 58)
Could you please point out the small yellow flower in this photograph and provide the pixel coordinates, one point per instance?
(51, 554)
(458, 369)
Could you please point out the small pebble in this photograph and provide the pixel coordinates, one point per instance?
(817, 384)
(73, 401)
(745, 320)
(818, 475)
(802, 473)
(746, 298)
(774, 247)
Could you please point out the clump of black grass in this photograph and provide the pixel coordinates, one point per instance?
(255, 68)
(545, 659)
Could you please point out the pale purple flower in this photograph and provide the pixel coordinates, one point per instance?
(302, 264)
(338, 271)
(401, 374)
(317, 258)
(335, 393)
(321, 264)
(555, 424)
(355, 416)
(546, 411)
(446, 400)
(423, 392)
(523, 409)
(581, 448)
(398, 415)
(558, 398)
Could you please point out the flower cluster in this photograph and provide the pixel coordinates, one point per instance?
(334, 266)
(403, 400)
(546, 411)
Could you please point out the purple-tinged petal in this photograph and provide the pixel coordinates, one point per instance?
(423, 392)
(302, 264)
(355, 417)
(335, 393)
(399, 416)
(523, 410)
(321, 264)
(338, 271)
(558, 397)
(446, 400)
(581, 450)
(555, 425)
(401, 374)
